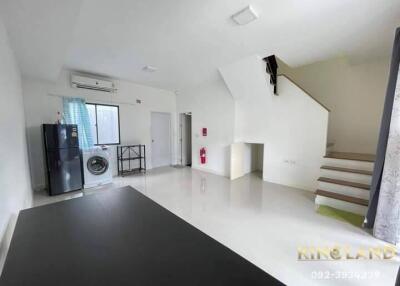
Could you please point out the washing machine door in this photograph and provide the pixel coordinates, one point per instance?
(97, 165)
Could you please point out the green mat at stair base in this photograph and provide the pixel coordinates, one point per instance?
(352, 218)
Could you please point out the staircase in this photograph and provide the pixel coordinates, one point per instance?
(345, 181)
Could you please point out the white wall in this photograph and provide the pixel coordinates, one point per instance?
(292, 126)
(15, 188)
(135, 119)
(212, 107)
(355, 95)
(238, 160)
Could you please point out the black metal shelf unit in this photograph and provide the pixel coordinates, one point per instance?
(134, 157)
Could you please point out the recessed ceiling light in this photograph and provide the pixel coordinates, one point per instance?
(245, 16)
(149, 69)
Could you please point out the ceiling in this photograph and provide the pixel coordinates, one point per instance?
(188, 40)
(40, 32)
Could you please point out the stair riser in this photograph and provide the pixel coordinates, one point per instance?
(360, 165)
(341, 205)
(346, 176)
(344, 190)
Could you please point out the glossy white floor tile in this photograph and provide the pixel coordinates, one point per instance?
(263, 222)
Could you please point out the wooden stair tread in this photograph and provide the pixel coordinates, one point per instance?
(341, 197)
(351, 156)
(344, 183)
(347, 170)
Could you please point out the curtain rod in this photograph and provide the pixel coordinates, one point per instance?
(99, 101)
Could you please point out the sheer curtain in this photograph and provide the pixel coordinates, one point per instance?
(75, 112)
(384, 206)
(387, 221)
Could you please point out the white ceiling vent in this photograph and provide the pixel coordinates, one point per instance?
(245, 16)
(93, 83)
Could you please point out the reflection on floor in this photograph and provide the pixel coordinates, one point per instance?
(263, 222)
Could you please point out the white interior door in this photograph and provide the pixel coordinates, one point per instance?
(160, 139)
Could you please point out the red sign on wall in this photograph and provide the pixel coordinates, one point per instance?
(204, 131)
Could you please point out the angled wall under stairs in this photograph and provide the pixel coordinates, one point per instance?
(292, 125)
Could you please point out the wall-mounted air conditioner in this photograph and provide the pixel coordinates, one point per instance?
(87, 82)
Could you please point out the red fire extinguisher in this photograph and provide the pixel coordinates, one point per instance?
(203, 155)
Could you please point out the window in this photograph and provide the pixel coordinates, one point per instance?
(104, 123)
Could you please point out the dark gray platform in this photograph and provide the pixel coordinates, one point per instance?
(119, 237)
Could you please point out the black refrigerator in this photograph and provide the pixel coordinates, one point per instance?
(63, 158)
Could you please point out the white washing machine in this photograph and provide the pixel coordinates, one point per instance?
(97, 166)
